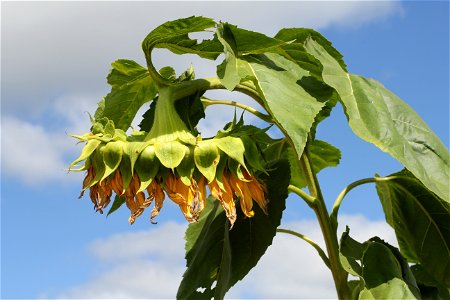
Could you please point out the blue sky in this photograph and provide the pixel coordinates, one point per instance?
(54, 60)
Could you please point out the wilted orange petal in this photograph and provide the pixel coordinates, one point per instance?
(242, 191)
(258, 190)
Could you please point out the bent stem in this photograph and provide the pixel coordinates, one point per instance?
(345, 191)
(207, 102)
(330, 235)
(309, 241)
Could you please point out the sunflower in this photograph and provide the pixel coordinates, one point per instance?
(144, 167)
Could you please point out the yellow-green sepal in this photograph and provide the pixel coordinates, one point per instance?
(147, 166)
(125, 171)
(133, 150)
(170, 154)
(253, 155)
(87, 150)
(98, 164)
(207, 157)
(187, 166)
(112, 155)
(233, 147)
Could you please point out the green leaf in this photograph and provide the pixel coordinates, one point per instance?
(132, 86)
(224, 275)
(191, 110)
(294, 49)
(207, 248)
(383, 272)
(429, 287)
(350, 251)
(252, 154)
(206, 157)
(246, 42)
(378, 116)
(118, 201)
(322, 154)
(238, 42)
(168, 73)
(148, 117)
(173, 35)
(289, 104)
(421, 223)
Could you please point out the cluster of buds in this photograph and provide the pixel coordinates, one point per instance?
(142, 168)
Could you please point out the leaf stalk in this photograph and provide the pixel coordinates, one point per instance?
(207, 102)
(345, 191)
(302, 194)
(309, 241)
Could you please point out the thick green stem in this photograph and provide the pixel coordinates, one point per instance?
(167, 124)
(330, 235)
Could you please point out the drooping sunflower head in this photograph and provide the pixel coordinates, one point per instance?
(141, 172)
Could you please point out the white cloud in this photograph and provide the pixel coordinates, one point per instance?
(30, 152)
(149, 264)
(36, 154)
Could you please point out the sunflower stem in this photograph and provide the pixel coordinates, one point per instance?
(330, 235)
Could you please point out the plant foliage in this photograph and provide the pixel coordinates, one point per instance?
(296, 78)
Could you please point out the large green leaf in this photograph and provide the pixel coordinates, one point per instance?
(294, 98)
(429, 287)
(131, 88)
(237, 43)
(378, 116)
(421, 222)
(290, 105)
(173, 35)
(295, 51)
(294, 48)
(215, 253)
(383, 272)
(386, 275)
(322, 154)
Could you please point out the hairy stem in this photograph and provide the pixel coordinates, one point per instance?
(309, 241)
(302, 194)
(159, 80)
(330, 235)
(345, 191)
(207, 102)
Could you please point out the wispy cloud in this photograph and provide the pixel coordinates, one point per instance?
(38, 152)
(31, 153)
(149, 264)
